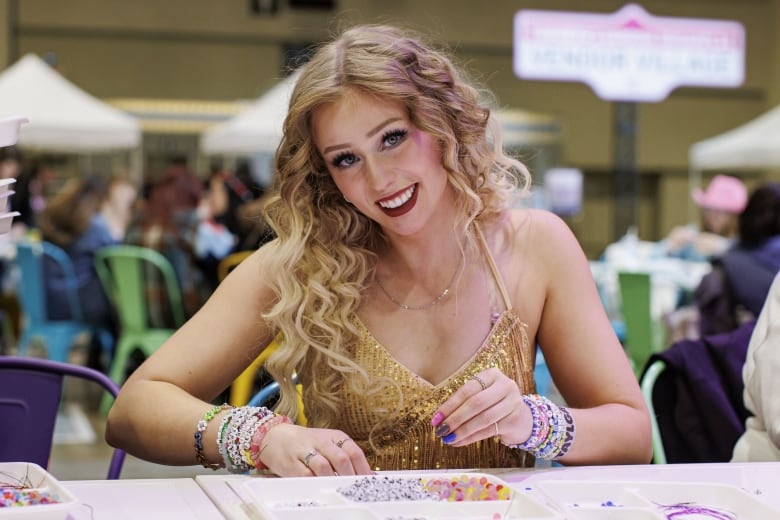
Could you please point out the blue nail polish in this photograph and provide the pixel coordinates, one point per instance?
(442, 430)
(449, 439)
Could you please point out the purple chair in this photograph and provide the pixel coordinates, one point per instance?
(30, 395)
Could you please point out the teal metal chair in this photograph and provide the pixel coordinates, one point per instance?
(648, 384)
(137, 281)
(58, 336)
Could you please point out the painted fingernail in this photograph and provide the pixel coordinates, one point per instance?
(449, 439)
(442, 430)
(437, 418)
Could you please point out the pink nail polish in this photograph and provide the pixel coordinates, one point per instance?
(437, 418)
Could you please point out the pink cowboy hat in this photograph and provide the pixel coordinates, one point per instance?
(724, 193)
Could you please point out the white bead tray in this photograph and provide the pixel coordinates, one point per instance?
(29, 476)
(321, 498)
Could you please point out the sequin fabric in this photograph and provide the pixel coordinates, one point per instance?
(393, 427)
(405, 439)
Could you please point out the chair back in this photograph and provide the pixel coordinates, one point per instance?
(30, 395)
(230, 262)
(32, 294)
(643, 336)
(32, 290)
(647, 384)
(126, 272)
(58, 335)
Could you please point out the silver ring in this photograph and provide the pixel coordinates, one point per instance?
(480, 381)
(342, 441)
(308, 457)
(495, 424)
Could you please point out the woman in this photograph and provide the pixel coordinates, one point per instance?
(720, 205)
(404, 294)
(735, 290)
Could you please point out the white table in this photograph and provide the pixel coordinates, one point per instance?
(761, 480)
(141, 499)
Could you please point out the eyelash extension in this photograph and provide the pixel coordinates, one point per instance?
(398, 132)
(340, 157)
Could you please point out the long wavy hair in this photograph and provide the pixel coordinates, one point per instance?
(325, 251)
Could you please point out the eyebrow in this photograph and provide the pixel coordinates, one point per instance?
(370, 133)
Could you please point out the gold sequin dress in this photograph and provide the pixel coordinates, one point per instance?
(408, 442)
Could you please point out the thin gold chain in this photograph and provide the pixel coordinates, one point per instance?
(436, 300)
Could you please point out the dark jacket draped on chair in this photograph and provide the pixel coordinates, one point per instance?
(698, 398)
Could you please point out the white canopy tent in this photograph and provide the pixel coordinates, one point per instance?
(255, 130)
(62, 117)
(753, 145)
(258, 129)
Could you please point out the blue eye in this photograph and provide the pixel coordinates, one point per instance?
(344, 160)
(393, 138)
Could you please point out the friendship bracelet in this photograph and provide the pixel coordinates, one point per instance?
(201, 428)
(255, 449)
(552, 432)
(235, 436)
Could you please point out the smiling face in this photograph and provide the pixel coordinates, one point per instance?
(387, 168)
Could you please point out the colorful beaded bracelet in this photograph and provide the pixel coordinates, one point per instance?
(199, 431)
(552, 432)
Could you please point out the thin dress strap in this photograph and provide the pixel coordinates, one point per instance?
(493, 267)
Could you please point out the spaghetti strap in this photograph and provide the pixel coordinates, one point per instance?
(493, 267)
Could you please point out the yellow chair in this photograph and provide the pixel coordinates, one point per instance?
(230, 262)
(242, 389)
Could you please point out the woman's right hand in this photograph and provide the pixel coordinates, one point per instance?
(297, 451)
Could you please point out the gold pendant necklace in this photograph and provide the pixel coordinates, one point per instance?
(436, 300)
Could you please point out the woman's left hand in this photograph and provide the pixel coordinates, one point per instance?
(487, 405)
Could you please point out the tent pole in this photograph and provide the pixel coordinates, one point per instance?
(694, 182)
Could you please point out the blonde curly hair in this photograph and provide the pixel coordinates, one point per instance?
(325, 249)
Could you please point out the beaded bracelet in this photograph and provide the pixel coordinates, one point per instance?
(257, 438)
(235, 436)
(199, 431)
(552, 433)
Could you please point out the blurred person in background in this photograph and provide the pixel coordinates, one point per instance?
(228, 193)
(10, 168)
(10, 162)
(31, 194)
(169, 224)
(73, 221)
(720, 205)
(117, 209)
(735, 290)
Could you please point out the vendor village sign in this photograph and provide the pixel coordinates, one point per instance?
(628, 56)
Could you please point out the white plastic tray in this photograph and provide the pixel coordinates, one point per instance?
(32, 476)
(615, 500)
(9, 129)
(305, 498)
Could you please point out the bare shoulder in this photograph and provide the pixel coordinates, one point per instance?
(536, 232)
(540, 244)
(253, 274)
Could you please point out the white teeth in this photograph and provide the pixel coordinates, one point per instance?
(399, 200)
